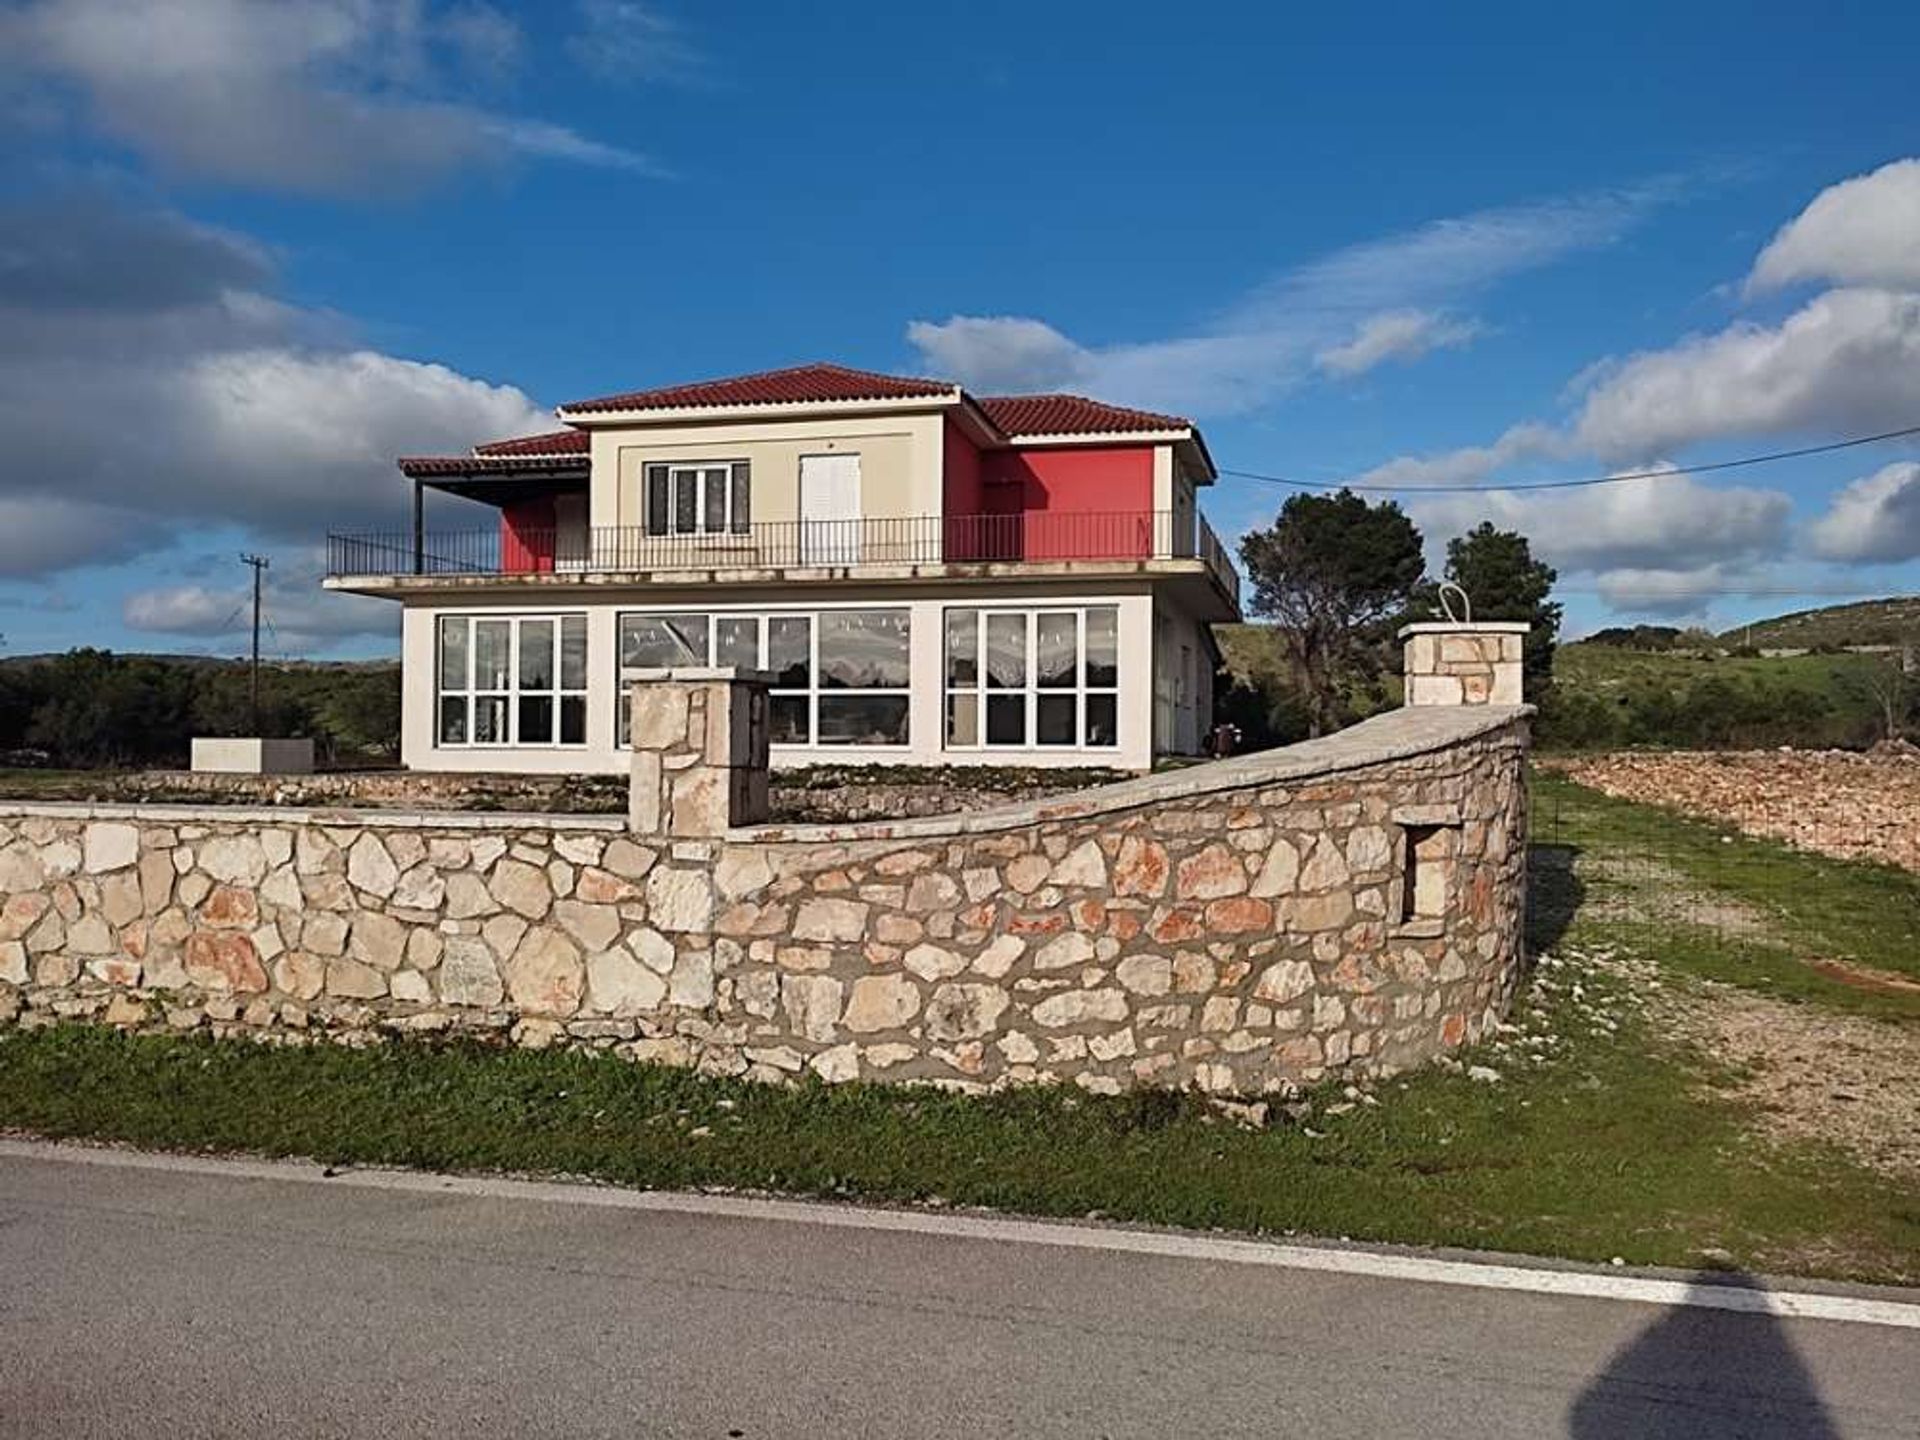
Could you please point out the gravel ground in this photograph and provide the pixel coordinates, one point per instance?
(1835, 802)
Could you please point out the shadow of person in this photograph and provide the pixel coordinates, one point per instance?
(1704, 1374)
(1555, 893)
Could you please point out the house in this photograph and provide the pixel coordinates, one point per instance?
(931, 577)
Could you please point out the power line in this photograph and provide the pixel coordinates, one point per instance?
(1481, 489)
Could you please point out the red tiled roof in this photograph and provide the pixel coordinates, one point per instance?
(1017, 415)
(554, 442)
(797, 385)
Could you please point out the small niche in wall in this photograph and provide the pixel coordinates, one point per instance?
(1427, 850)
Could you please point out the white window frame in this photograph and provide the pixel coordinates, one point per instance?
(473, 693)
(701, 474)
(1031, 690)
(813, 691)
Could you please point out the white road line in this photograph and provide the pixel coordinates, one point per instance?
(1420, 1269)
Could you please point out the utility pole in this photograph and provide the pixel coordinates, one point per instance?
(259, 564)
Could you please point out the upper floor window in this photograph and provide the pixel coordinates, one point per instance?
(707, 497)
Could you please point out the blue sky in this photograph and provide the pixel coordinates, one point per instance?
(250, 252)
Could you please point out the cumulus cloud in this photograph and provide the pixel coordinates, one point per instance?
(1395, 335)
(1470, 464)
(1675, 593)
(138, 399)
(1874, 519)
(298, 614)
(332, 97)
(1341, 314)
(1847, 360)
(1863, 231)
(1656, 523)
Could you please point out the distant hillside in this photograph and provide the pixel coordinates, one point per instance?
(1892, 621)
(215, 662)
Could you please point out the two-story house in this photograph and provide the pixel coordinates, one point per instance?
(931, 577)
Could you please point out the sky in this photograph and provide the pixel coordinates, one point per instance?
(252, 252)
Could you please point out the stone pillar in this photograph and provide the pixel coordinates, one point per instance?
(699, 750)
(1464, 663)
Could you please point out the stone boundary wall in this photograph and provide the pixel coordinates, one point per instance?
(1242, 926)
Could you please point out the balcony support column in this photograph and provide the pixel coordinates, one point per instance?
(419, 528)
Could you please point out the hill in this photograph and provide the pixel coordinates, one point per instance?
(1893, 621)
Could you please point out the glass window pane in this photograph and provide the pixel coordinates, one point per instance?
(659, 499)
(573, 720)
(742, 497)
(1054, 720)
(787, 720)
(490, 720)
(536, 720)
(863, 650)
(863, 719)
(1006, 719)
(573, 652)
(686, 501)
(963, 718)
(963, 648)
(453, 652)
(453, 720)
(536, 654)
(736, 641)
(492, 654)
(1006, 652)
(1056, 641)
(713, 484)
(655, 641)
(788, 654)
(1103, 646)
(1103, 720)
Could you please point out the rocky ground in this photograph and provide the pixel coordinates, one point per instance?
(1839, 803)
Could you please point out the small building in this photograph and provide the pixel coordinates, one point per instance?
(931, 577)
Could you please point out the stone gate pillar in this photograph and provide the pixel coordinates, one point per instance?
(1452, 662)
(699, 740)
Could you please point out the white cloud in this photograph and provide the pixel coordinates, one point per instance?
(1874, 519)
(297, 614)
(1847, 360)
(144, 389)
(1863, 231)
(1351, 305)
(319, 96)
(628, 40)
(1657, 523)
(1679, 593)
(1470, 463)
(1395, 335)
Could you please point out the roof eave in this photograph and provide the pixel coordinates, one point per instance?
(760, 410)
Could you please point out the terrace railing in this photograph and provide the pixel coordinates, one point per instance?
(1032, 537)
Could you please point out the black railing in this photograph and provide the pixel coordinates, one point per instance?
(1034, 537)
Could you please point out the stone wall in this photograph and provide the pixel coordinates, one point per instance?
(1354, 903)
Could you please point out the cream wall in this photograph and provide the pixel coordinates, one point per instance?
(926, 724)
(900, 461)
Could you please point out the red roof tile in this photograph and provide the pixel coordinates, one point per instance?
(798, 385)
(1018, 415)
(554, 442)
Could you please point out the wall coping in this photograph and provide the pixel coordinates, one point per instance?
(1396, 735)
(1464, 627)
(286, 815)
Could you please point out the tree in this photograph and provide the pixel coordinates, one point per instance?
(1333, 571)
(1497, 570)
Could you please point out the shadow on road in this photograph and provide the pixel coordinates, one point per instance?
(1697, 1374)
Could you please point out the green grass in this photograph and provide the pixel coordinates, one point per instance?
(1606, 1149)
(1714, 902)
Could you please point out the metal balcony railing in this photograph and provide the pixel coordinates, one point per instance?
(1033, 537)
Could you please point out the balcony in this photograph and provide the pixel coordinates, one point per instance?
(1031, 542)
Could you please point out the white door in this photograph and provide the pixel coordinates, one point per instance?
(829, 509)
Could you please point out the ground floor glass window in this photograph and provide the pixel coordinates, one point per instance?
(840, 677)
(1017, 678)
(511, 680)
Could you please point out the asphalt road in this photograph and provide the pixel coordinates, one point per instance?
(177, 1303)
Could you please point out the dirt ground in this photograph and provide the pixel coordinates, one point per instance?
(1811, 1074)
(1851, 806)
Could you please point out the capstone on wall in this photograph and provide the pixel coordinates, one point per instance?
(1353, 904)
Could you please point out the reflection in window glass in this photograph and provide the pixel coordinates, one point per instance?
(736, 641)
(1103, 719)
(853, 719)
(863, 650)
(1054, 716)
(1006, 651)
(963, 649)
(525, 685)
(787, 722)
(650, 642)
(1057, 643)
(1103, 647)
(963, 719)
(1006, 719)
(790, 651)
(1051, 677)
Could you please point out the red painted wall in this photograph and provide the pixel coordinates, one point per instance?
(1077, 503)
(526, 536)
